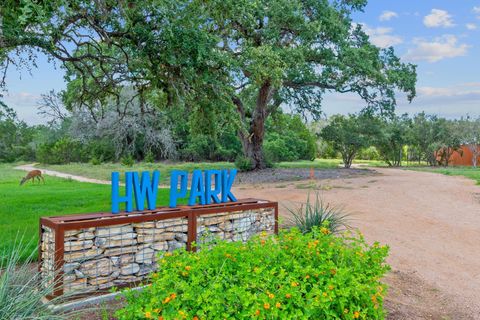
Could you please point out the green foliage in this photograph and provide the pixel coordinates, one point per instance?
(318, 214)
(289, 276)
(95, 161)
(149, 157)
(15, 137)
(348, 135)
(392, 138)
(127, 161)
(64, 150)
(22, 289)
(288, 139)
(243, 163)
(219, 56)
(369, 153)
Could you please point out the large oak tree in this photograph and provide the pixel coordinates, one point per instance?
(252, 55)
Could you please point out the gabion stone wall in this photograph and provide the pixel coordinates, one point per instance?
(235, 226)
(98, 258)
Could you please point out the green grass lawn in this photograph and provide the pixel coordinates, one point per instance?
(468, 172)
(22, 206)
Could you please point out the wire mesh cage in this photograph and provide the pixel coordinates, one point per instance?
(95, 252)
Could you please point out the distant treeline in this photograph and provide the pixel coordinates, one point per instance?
(393, 139)
(144, 135)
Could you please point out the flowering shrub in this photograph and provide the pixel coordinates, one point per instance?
(289, 276)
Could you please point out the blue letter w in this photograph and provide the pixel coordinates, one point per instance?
(146, 190)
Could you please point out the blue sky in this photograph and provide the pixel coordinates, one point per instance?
(440, 36)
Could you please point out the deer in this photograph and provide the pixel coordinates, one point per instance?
(32, 175)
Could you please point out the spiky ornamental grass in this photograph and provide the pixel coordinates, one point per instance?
(22, 290)
(317, 213)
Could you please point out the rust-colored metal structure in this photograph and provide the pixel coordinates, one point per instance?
(60, 224)
(463, 157)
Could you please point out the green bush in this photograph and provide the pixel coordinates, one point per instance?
(287, 138)
(64, 150)
(149, 157)
(243, 163)
(23, 290)
(370, 153)
(95, 161)
(315, 214)
(128, 160)
(290, 276)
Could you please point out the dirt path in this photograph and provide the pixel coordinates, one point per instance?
(29, 167)
(430, 221)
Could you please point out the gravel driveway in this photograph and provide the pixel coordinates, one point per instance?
(431, 223)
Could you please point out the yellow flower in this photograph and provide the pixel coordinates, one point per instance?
(173, 296)
(196, 318)
(148, 315)
(331, 287)
(188, 268)
(294, 284)
(266, 306)
(271, 295)
(324, 294)
(356, 314)
(160, 318)
(288, 296)
(324, 230)
(307, 277)
(257, 312)
(154, 275)
(168, 254)
(278, 305)
(156, 310)
(166, 300)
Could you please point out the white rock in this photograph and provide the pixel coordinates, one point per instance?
(111, 231)
(82, 255)
(145, 256)
(78, 245)
(69, 267)
(109, 243)
(129, 269)
(95, 268)
(119, 251)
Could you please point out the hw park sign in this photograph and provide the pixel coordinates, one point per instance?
(206, 187)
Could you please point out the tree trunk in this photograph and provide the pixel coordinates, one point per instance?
(252, 141)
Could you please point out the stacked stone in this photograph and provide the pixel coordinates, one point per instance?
(47, 255)
(99, 258)
(102, 257)
(235, 226)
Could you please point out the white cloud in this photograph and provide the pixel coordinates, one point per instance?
(382, 37)
(471, 26)
(387, 15)
(477, 11)
(440, 48)
(438, 18)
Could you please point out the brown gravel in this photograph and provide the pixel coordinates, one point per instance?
(430, 221)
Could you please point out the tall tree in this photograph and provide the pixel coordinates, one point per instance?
(253, 55)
